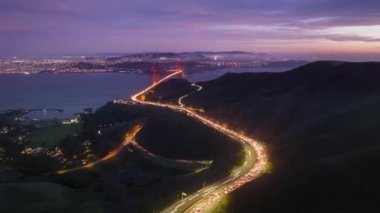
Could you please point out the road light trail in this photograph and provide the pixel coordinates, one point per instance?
(180, 100)
(249, 171)
(191, 165)
(128, 138)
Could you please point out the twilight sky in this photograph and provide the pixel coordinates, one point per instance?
(336, 29)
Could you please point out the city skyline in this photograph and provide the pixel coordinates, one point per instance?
(322, 29)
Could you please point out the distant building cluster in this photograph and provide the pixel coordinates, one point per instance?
(136, 63)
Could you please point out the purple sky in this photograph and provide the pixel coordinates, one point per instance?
(343, 29)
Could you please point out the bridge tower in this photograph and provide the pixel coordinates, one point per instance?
(155, 78)
(178, 67)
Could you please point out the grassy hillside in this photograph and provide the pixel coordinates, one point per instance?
(320, 123)
(132, 182)
(50, 136)
(127, 182)
(168, 134)
(40, 197)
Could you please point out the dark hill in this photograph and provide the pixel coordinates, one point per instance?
(320, 123)
(277, 107)
(171, 90)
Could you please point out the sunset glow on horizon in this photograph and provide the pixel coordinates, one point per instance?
(323, 29)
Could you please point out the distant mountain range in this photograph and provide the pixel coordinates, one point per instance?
(206, 53)
(158, 54)
(182, 53)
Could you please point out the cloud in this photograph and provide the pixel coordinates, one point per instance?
(143, 24)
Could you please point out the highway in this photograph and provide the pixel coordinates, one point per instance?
(128, 138)
(205, 199)
(181, 104)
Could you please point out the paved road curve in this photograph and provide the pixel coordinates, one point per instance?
(129, 136)
(207, 198)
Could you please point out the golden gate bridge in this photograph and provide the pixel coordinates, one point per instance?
(155, 71)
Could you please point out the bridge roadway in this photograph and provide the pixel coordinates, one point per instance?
(204, 200)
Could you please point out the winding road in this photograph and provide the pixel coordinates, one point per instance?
(207, 198)
(128, 138)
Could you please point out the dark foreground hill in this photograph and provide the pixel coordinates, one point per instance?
(320, 123)
(131, 181)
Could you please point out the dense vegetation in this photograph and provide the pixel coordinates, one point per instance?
(320, 123)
